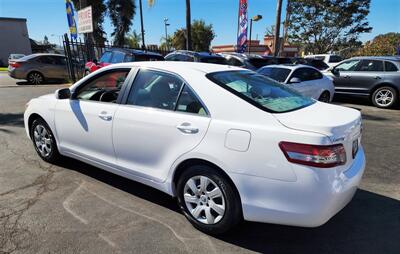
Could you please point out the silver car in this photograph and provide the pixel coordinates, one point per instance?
(37, 68)
(375, 77)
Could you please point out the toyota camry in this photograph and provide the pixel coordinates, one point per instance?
(228, 143)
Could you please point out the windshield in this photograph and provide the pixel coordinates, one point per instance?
(278, 74)
(214, 60)
(260, 91)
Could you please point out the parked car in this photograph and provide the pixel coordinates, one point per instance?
(377, 78)
(305, 79)
(251, 62)
(13, 57)
(191, 56)
(37, 68)
(121, 55)
(330, 59)
(228, 143)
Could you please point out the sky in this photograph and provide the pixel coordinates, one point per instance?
(48, 17)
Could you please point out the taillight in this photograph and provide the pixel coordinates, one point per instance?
(314, 155)
(15, 64)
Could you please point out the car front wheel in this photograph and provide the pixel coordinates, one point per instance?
(44, 141)
(385, 97)
(325, 97)
(208, 200)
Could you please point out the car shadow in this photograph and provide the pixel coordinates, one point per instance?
(12, 119)
(359, 100)
(47, 82)
(369, 224)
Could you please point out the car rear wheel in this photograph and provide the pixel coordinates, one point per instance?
(44, 141)
(208, 200)
(35, 78)
(385, 97)
(325, 97)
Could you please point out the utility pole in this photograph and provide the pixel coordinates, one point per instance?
(277, 27)
(166, 32)
(141, 24)
(188, 27)
(286, 25)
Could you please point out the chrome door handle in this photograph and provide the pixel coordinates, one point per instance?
(377, 77)
(187, 128)
(346, 76)
(105, 116)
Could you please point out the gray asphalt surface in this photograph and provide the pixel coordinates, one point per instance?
(76, 208)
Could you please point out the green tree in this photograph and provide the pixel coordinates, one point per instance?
(202, 36)
(133, 39)
(166, 44)
(322, 26)
(46, 40)
(381, 45)
(99, 10)
(121, 13)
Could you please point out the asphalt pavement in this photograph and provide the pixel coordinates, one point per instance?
(76, 208)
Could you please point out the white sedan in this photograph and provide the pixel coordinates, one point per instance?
(305, 79)
(229, 143)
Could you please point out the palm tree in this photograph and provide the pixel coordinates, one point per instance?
(121, 15)
(188, 23)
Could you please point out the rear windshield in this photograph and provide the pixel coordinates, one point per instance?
(260, 62)
(214, 60)
(278, 74)
(28, 57)
(260, 91)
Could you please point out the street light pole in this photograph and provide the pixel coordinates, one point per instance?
(277, 27)
(255, 19)
(166, 32)
(141, 24)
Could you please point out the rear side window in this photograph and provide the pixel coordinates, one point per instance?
(189, 103)
(235, 62)
(118, 57)
(260, 91)
(370, 65)
(306, 74)
(278, 74)
(390, 67)
(106, 57)
(350, 65)
(335, 59)
(46, 60)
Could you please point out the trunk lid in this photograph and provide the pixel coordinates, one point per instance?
(341, 124)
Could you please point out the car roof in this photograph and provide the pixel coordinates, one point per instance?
(177, 67)
(194, 53)
(134, 51)
(393, 58)
(288, 66)
(47, 54)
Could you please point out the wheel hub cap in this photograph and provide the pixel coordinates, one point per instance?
(42, 140)
(384, 97)
(204, 200)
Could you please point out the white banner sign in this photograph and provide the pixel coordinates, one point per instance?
(85, 22)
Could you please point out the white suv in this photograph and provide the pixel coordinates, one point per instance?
(329, 59)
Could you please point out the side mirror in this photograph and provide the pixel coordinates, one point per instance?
(63, 93)
(294, 80)
(335, 71)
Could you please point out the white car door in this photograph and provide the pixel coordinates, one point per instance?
(161, 120)
(308, 85)
(84, 123)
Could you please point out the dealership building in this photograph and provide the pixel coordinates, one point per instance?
(14, 38)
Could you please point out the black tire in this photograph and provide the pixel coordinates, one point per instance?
(233, 209)
(378, 97)
(53, 155)
(35, 78)
(325, 97)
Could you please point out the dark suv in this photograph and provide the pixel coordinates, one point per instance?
(375, 77)
(191, 56)
(120, 55)
(251, 62)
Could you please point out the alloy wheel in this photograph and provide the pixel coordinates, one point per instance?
(384, 97)
(204, 200)
(35, 78)
(42, 140)
(325, 97)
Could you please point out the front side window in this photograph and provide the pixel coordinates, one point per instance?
(155, 89)
(260, 91)
(350, 65)
(106, 57)
(118, 57)
(278, 74)
(105, 87)
(370, 65)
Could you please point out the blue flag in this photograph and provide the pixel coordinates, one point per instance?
(71, 19)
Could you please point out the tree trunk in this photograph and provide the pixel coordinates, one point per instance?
(188, 27)
(277, 27)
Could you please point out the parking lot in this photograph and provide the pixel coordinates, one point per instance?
(76, 208)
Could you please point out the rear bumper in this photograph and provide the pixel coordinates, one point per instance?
(316, 196)
(17, 74)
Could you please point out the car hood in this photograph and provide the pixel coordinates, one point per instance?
(337, 122)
